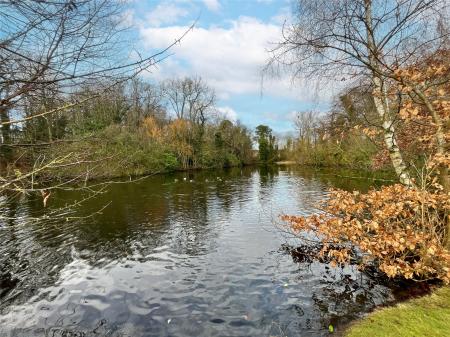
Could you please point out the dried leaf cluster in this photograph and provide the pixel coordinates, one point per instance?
(396, 228)
(419, 95)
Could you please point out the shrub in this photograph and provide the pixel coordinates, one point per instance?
(400, 230)
(170, 161)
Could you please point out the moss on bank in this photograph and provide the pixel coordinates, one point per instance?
(426, 316)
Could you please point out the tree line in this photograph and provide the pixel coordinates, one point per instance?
(135, 128)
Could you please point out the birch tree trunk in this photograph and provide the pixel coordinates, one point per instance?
(388, 126)
(382, 104)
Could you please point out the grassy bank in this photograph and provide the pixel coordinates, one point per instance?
(426, 316)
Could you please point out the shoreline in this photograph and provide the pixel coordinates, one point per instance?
(370, 174)
(427, 315)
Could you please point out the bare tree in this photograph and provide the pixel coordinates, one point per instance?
(190, 98)
(306, 123)
(68, 43)
(145, 100)
(49, 52)
(346, 39)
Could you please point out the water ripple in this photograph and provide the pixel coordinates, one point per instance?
(176, 259)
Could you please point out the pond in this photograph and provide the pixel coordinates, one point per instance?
(184, 254)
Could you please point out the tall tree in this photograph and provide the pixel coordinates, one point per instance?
(266, 144)
(371, 39)
(192, 100)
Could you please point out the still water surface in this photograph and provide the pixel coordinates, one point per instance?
(170, 257)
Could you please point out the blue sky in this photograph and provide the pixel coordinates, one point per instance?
(228, 49)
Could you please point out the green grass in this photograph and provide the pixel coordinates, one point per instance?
(426, 316)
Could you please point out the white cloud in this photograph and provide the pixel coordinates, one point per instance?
(165, 13)
(212, 5)
(284, 15)
(228, 113)
(230, 59)
(127, 18)
(277, 117)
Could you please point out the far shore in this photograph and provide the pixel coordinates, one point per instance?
(286, 162)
